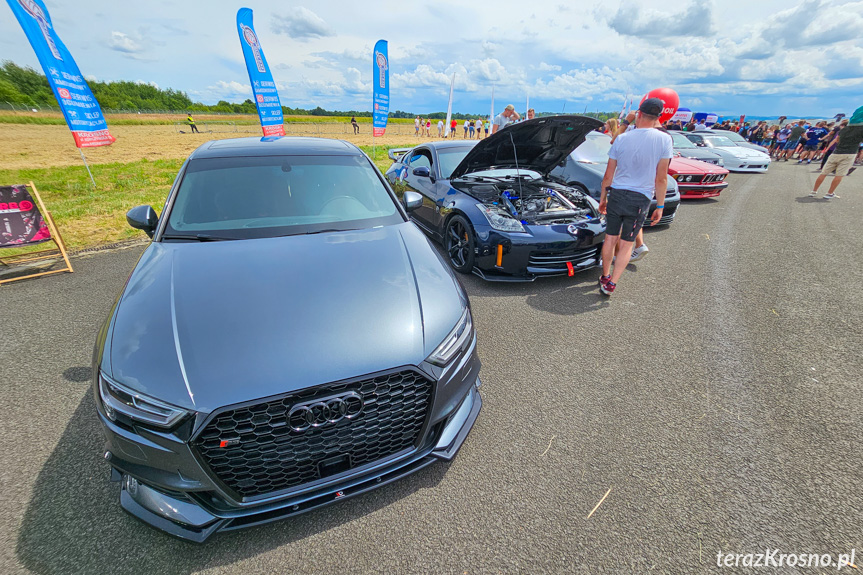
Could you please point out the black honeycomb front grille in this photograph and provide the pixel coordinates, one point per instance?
(255, 451)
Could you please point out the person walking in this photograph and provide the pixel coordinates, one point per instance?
(637, 171)
(355, 125)
(833, 139)
(841, 160)
(440, 128)
(417, 127)
(471, 128)
(479, 129)
(453, 125)
(192, 125)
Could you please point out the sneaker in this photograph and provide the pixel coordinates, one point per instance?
(813, 193)
(799, 161)
(604, 280)
(639, 253)
(808, 161)
(608, 287)
(830, 196)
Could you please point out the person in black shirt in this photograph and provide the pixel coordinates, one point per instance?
(842, 159)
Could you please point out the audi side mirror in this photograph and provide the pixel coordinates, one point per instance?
(422, 172)
(412, 200)
(143, 218)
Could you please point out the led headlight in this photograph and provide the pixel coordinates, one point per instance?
(456, 341)
(117, 399)
(500, 219)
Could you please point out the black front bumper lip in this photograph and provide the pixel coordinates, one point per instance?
(182, 516)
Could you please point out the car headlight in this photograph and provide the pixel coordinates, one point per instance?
(456, 341)
(117, 399)
(499, 219)
(676, 176)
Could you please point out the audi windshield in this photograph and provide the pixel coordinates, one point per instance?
(254, 197)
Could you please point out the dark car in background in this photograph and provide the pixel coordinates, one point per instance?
(287, 340)
(585, 166)
(493, 206)
(686, 149)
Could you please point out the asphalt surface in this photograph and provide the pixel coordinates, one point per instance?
(717, 394)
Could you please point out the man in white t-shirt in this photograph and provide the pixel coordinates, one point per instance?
(440, 128)
(508, 116)
(700, 126)
(417, 126)
(637, 172)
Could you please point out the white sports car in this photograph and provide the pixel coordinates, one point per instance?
(736, 158)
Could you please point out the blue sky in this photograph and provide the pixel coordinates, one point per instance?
(794, 58)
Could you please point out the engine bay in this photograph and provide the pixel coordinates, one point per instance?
(532, 201)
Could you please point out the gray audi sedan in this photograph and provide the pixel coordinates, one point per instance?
(288, 339)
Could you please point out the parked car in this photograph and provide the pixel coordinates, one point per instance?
(735, 158)
(585, 166)
(737, 139)
(493, 206)
(697, 179)
(686, 149)
(287, 340)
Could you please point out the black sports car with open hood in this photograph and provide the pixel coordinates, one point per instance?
(493, 206)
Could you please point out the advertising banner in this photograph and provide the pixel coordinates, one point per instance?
(682, 115)
(80, 108)
(21, 223)
(263, 87)
(381, 91)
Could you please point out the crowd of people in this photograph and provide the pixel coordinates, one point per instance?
(837, 145)
(473, 128)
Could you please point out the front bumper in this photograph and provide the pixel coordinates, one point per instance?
(754, 166)
(182, 515)
(695, 191)
(165, 486)
(544, 250)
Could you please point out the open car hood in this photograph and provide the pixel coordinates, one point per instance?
(538, 145)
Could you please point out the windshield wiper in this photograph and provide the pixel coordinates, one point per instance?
(330, 230)
(199, 237)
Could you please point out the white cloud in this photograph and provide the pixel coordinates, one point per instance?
(301, 24)
(123, 43)
(233, 89)
(543, 67)
(695, 20)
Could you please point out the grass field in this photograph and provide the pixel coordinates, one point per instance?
(147, 161)
(140, 166)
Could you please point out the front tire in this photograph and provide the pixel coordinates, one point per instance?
(459, 244)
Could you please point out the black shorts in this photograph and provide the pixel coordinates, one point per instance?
(625, 213)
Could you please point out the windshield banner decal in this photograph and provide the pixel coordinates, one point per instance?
(381, 92)
(263, 87)
(80, 108)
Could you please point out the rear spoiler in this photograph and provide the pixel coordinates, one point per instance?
(396, 154)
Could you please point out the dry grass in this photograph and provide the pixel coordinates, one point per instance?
(138, 168)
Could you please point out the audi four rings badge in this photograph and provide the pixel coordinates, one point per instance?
(325, 411)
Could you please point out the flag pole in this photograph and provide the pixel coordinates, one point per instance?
(87, 166)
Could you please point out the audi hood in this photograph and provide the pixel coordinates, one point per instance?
(204, 325)
(538, 145)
